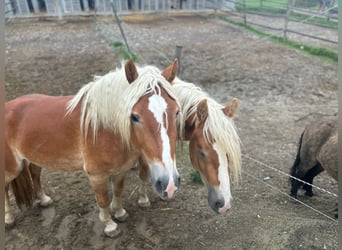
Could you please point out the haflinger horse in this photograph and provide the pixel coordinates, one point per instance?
(214, 145)
(110, 123)
(317, 151)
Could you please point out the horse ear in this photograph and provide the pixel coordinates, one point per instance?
(231, 109)
(170, 72)
(131, 71)
(202, 110)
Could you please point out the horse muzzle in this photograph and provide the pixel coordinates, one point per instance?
(164, 183)
(217, 202)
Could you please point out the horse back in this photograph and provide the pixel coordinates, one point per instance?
(315, 135)
(38, 130)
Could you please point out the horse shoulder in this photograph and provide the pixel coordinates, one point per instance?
(106, 153)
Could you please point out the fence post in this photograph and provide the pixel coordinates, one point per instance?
(288, 12)
(59, 9)
(244, 12)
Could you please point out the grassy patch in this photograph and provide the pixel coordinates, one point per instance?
(321, 52)
(122, 52)
(314, 20)
(196, 177)
(275, 7)
(119, 48)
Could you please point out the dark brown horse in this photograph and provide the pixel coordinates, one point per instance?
(317, 151)
(110, 123)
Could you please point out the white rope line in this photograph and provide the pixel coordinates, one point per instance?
(282, 192)
(283, 173)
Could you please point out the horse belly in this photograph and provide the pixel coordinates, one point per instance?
(39, 131)
(62, 160)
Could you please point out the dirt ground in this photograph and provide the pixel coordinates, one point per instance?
(280, 90)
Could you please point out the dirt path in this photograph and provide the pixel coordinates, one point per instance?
(280, 91)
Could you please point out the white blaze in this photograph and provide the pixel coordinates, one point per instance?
(223, 175)
(157, 105)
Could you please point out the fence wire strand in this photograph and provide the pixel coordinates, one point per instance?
(282, 192)
(288, 175)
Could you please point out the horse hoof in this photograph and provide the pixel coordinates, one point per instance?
(308, 193)
(45, 201)
(112, 231)
(9, 220)
(144, 203)
(293, 195)
(121, 217)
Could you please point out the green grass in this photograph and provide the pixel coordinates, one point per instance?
(121, 51)
(264, 3)
(321, 52)
(265, 6)
(196, 177)
(119, 48)
(314, 20)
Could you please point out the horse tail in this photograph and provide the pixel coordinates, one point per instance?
(23, 189)
(297, 160)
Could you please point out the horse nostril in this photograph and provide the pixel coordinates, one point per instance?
(219, 204)
(178, 181)
(159, 186)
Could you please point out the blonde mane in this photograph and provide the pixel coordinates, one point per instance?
(108, 100)
(217, 128)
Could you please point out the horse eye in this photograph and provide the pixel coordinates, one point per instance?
(177, 113)
(201, 153)
(135, 118)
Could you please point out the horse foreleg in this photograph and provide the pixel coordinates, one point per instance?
(144, 174)
(44, 200)
(99, 184)
(8, 214)
(116, 205)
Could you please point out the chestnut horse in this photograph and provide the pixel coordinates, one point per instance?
(104, 129)
(214, 145)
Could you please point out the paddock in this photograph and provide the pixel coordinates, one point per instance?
(280, 91)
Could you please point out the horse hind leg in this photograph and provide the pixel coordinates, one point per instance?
(9, 220)
(310, 175)
(43, 199)
(296, 167)
(116, 205)
(21, 184)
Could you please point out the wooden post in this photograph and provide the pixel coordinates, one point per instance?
(244, 12)
(288, 12)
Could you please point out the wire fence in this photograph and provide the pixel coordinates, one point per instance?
(286, 13)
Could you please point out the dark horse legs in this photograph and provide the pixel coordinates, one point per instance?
(317, 169)
(307, 177)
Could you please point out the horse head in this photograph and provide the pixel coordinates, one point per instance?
(211, 154)
(154, 127)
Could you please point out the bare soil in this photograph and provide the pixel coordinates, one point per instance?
(280, 90)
